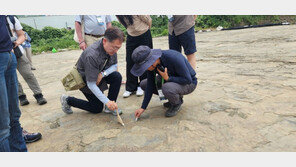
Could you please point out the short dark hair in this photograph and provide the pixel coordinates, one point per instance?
(114, 33)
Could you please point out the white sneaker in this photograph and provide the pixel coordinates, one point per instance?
(140, 92)
(127, 94)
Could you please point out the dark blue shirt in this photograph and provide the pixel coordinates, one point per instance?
(5, 42)
(179, 71)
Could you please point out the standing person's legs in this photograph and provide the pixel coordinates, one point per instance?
(93, 105)
(22, 96)
(29, 56)
(187, 40)
(24, 69)
(28, 53)
(9, 102)
(192, 60)
(147, 41)
(89, 40)
(16, 140)
(174, 43)
(131, 80)
(20, 90)
(4, 107)
(114, 79)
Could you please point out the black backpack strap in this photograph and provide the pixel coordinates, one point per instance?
(12, 20)
(8, 27)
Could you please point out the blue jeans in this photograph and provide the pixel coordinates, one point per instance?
(11, 138)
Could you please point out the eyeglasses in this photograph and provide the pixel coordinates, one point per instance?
(112, 46)
(115, 48)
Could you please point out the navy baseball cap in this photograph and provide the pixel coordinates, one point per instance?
(143, 58)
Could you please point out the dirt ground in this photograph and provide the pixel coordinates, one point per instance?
(244, 101)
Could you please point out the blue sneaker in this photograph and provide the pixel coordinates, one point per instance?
(108, 111)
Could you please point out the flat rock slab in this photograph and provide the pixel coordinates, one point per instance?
(244, 101)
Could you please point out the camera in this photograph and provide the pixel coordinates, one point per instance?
(160, 67)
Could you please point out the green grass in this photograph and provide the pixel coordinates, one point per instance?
(44, 45)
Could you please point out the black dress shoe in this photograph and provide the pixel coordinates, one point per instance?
(173, 110)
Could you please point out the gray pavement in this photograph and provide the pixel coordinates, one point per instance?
(244, 101)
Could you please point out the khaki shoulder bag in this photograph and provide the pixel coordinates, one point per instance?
(73, 80)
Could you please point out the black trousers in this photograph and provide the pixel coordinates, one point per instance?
(132, 43)
(94, 105)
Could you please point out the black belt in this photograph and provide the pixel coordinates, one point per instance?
(97, 36)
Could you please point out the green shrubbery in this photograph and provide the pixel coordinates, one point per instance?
(117, 24)
(227, 21)
(159, 25)
(49, 37)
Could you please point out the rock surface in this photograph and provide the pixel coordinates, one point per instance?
(244, 101)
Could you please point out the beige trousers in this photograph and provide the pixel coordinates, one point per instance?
(24, 68)
(89, 40)
(29, 54)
